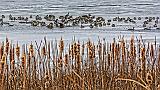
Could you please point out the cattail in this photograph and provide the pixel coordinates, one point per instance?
(159, 57)
(143, 54)
(23, 58)
(94, 54)
(3, 60)
(7, 46)
(113, 56)
(109, 60)
(72, 51)
(60, 64)
(90, 52)
(13, 61)
(134, 52)
(11, 53)
(75, 49)
(66, 59)
(31, 50)
(117, 65)
(18, 50)
(61, 46)
(123, 52)
(143, 62)
(29, 58)
(78, 47)
(49, 52)
(152, 52)
(78, 63)
(132, 46)
(43, 51)
(2, 49)
(83, 46)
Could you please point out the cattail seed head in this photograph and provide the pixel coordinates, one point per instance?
(66, 59)
(61, 45)
(7, 47)
(152, 51)
(83, 46)
(3, 60)
(2, 49)
(23, 58)
(44, 51)
(17, 50)
(31, 50)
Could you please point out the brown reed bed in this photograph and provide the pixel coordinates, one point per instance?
(117, 65)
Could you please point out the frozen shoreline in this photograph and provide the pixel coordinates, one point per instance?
(26, 35)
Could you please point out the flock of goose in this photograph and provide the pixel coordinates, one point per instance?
(91, 21)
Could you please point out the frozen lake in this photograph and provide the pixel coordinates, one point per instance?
(105, 8)
(78, 7)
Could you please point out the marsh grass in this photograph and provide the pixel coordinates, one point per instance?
(117, 65)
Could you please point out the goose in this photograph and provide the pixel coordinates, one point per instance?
(61, 17)
(120, 20)
(70, 17)
(156, 21)
(135, 18)
(66, 16)
(91, 26)
(108, 23)
(153, 18)
(145, 22)
(51, 18)
(38, 17)
(14, 18)
(115, 19)
(146, 17)
(50, 25)
(157, 17)
(34, 23)
(61, 25)
(3, 16)
(155, 25)
(19, 18)
(113, 25)
(158, 28)
(82, 26)
(26, 19)
(10, 24)
(104, 23)
(23, 18)
(10, 17)
(144, 25)
(43, 24)
(46, 17)
(30, 16)
(100, 24)
(150, 19)
(132, 29)
(139, 18)
(1, 20)
(123, 18)
(95, 24)
(109, 20)
(147, 29)
(126, 21)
